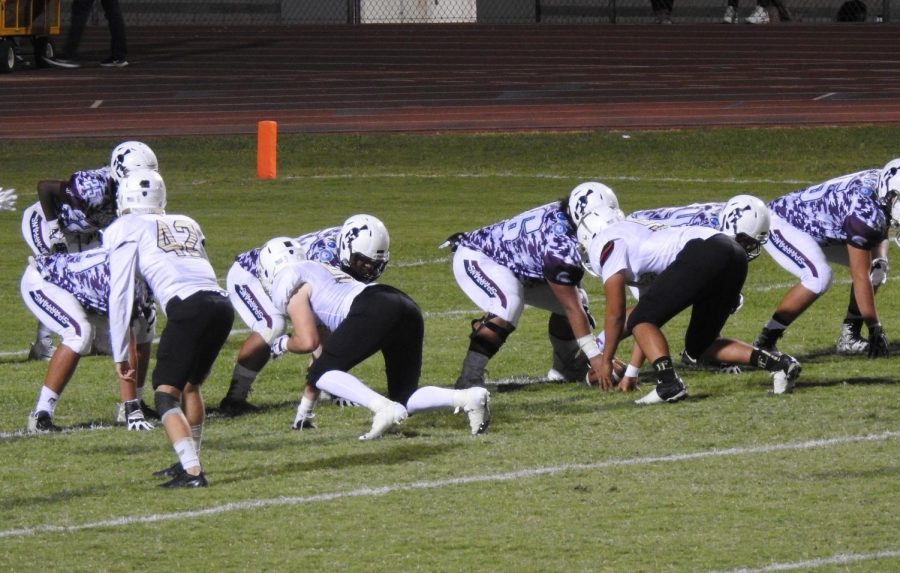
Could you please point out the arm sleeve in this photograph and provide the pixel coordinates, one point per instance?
(862, 234)
(122, 270)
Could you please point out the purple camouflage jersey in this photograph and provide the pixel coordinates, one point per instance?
(538, 245)
(695, 215)
(842, 210)
(320, 246)
(90, 202)
(85, 276)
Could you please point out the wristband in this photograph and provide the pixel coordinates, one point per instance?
(632, 371)
(589, 346)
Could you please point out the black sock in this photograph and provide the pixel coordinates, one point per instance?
(665, 370)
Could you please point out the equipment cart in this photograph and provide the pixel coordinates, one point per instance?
(20, 20)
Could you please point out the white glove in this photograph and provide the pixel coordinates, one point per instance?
(8, 199)
(279, 346)
(879, 270)
(137, 422)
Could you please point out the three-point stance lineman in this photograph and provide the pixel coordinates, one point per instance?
(363, 319)
(670, 269)
(168, 252)
(360, 247)
(532, 259)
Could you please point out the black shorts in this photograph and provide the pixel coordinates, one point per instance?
(380, 318)
(708, 275)
(196, 329)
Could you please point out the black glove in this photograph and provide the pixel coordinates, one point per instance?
(878, 345)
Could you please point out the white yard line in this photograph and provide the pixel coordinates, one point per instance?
(592, 177)
(839, 559)
(127, 520)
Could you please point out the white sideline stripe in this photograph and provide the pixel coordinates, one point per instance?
(436, 484)
(460, 312)
(824, 96)
(511, 175)
(838, 559)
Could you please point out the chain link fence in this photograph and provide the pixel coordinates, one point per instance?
(296, 12)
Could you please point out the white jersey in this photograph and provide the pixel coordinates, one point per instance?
(643, 249)
(332, 290)
(167, 252)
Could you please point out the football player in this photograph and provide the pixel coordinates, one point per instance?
(842, 220)
(360, 247)
(702, 215)
(167, 252)
(70, 213)
(362, 319)
(669, 269)
(69, 293)
(531, 258)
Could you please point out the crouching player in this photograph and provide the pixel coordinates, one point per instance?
(360, 248)
(670, 269)
(363, 319)
(69, 293)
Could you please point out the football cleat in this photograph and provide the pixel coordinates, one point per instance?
(555, 375)
(41, 423)
(304, 423)
(665, 393)
(387, 415)
(478, 408)
(41, 351)
(783, 380)
(232, 407)
(185, 479)
(850, 342)
(173, 470)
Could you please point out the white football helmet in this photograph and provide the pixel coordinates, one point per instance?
(364, 247)
(596, 221)
(275, 255)
(746, 218)
(131, 155)
(587, 196)
(141, 191)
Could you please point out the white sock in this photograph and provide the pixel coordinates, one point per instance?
(187, 454)
(304, 410)
(46, 401)
(434, 398)
(139, 393)
(197, 436)
(349, 387)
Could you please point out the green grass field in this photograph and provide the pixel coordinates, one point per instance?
(567, 479)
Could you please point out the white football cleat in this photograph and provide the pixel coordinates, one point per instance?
(478, 408)
(759, 16)
(670, 393)
(387, 415)
(783, 380)
(555, 375)
(851, 343)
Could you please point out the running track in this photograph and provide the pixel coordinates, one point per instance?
(463, 78)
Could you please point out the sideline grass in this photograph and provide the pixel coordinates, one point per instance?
(699, 514)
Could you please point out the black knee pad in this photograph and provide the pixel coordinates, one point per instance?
(483, 342)
(165, 402)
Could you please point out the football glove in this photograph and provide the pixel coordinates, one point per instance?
(878, 272)
(56, 240)
(878, 344)
(8, 199)
(279, 346)
(137, 423)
